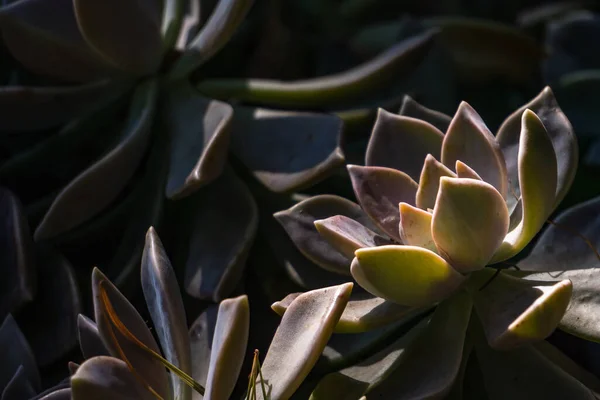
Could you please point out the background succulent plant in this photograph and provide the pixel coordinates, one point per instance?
(417, 245)
(212, 354)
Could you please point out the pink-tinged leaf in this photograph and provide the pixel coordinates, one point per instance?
(415, 227)
(379, 191)
(429, 184)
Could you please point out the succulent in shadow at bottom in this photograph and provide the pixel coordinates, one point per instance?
(125, 361)
(443, 246)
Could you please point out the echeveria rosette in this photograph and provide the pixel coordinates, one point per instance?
(212, 352)
(437, 234)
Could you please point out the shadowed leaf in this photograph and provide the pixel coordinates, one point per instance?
(415, 227)
(18, 388)
(96, 187)
(16, 352)
(410, 108)
(347, 235)
(303, 147)
(200, 132)
(202, 334)
(136, 50)
(429, 183)
(90, 341)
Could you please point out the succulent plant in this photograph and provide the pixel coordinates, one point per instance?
(442, 247)
(124, 360)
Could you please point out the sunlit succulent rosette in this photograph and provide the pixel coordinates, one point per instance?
(443, 247)
(123, 358)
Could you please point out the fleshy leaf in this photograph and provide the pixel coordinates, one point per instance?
(524, 373)
(165, 305)
(514, 311)
(415, 227)
(103, 377)
(404, 369)
(348, 235)
(202, 334)
(89, 338)
(200, 132)
(379, 191)
(59, 394)
(363, 313)
(469, 140)
(45, 38)
(464, 171)
(470, 221)
(301, 337)
(429, 183)
(314, 93)
(560, 132)
(52, 106)
(582, 318)
(50, 322)
(150, 370)
(228, 347)
(82, 199)
(16, 352)
(18, 388)
(136, 50)
(565, 245)
(216, 32)
(410, 108)
(407, 275)
(402, 143)
(440, 344)
(303, 147)
(217, 257)
(19, 279)
(298, 222)
(536, 159)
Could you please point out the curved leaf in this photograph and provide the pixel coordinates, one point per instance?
(200, 132)
(410, 108)
(354, 83)
(105, 377)
(469, 223)
(301, 337)
(18, 388)
(225, 220)
(173, 21)
(228, 347)
(16, 353)
(514, 311)
(50, 322)
(402, 143)
(364, 312)
(429, 183)
(407, 275)
(298, 222)
(44, 37)
(150, 370)
(51, 106)
(560, 131)
(19, 279)
(59, 394)
(136, 50)
(379, 190)
(536, 159)
(415, 227)
(89, 338)
(81, 199)
(216, 32)
(165, 305)
(581, 318)
(348, 235)
(303, 147)
(469, 140)
(565, 245)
